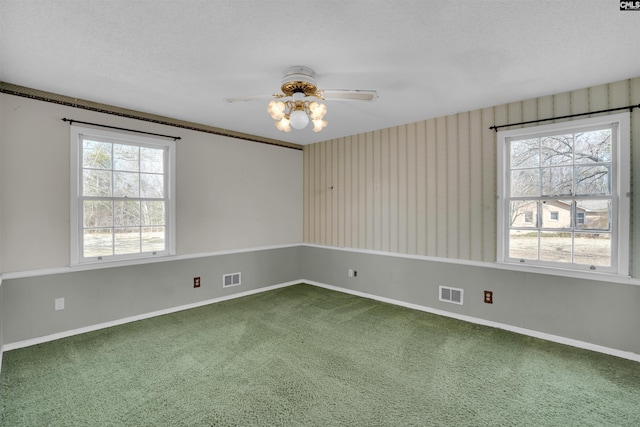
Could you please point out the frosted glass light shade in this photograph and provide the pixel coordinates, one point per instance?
(276, 109)
(319, 124)
(318, 110)
(299, 119)
(283, 125)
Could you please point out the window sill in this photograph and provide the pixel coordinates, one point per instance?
(92, 265)
(576, 274)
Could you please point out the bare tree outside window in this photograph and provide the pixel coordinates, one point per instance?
(123, 211)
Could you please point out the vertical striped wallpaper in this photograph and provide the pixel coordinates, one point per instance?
(429, 188)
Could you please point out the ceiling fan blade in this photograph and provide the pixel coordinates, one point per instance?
(248, 98)
(348, 95)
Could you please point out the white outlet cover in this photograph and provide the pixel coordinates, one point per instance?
(59, 303)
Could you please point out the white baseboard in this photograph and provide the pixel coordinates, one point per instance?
(523, 331)
(78, 331)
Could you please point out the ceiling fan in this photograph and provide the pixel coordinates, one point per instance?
(298, 84)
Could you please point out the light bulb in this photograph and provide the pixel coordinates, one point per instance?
(319, 124)
(317, 110)
(276, 109)
(283, 124)
(299, 119)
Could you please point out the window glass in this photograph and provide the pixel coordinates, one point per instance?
(564, 195)
(123, 209)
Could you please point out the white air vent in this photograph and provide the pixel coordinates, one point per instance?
(453, 295)
(232, 279)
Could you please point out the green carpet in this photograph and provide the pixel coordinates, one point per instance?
(306, 356)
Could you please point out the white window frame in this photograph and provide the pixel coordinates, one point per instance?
(620, 194)
(77, 133)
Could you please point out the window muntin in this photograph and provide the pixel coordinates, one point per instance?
(563, 195)
(121, 188)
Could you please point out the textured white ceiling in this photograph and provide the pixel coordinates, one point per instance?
(425, 58)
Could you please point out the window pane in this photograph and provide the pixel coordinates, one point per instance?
(593, 249)
(98, 242)
(151, 185)
(596, 214)
(153, 239)
(593, 180)
(523, 213)
(97, 213)
(556, 214)
(557, 181)
(96, 155)
(126, 213)
(127, 240)
(593, 146)
(523, 244)
(525, 153)
(525, 182)
(555, 246)
(152, 213)
(557, 150)
(126, 184)
(96, 183)
(126, 158)
(151, 160)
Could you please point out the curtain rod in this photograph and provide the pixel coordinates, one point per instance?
(630, 108)
(71, 121)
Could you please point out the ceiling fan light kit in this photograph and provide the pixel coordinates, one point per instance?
(297, 112)
(299, 83)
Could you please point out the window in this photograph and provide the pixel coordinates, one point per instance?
(569, 182)
(122, 203)
(528, 216)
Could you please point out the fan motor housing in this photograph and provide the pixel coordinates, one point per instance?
(299, 80)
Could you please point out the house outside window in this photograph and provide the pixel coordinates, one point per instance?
(528, 216)
(122, 196)
(574, 179)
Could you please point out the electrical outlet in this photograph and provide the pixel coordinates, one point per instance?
(352, 273)
(488, 297)
(196, 282)
(59, 303)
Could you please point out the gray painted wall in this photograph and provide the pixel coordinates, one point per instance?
(93, 297)
(595, 312)
(1, 320)
(600, 313)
